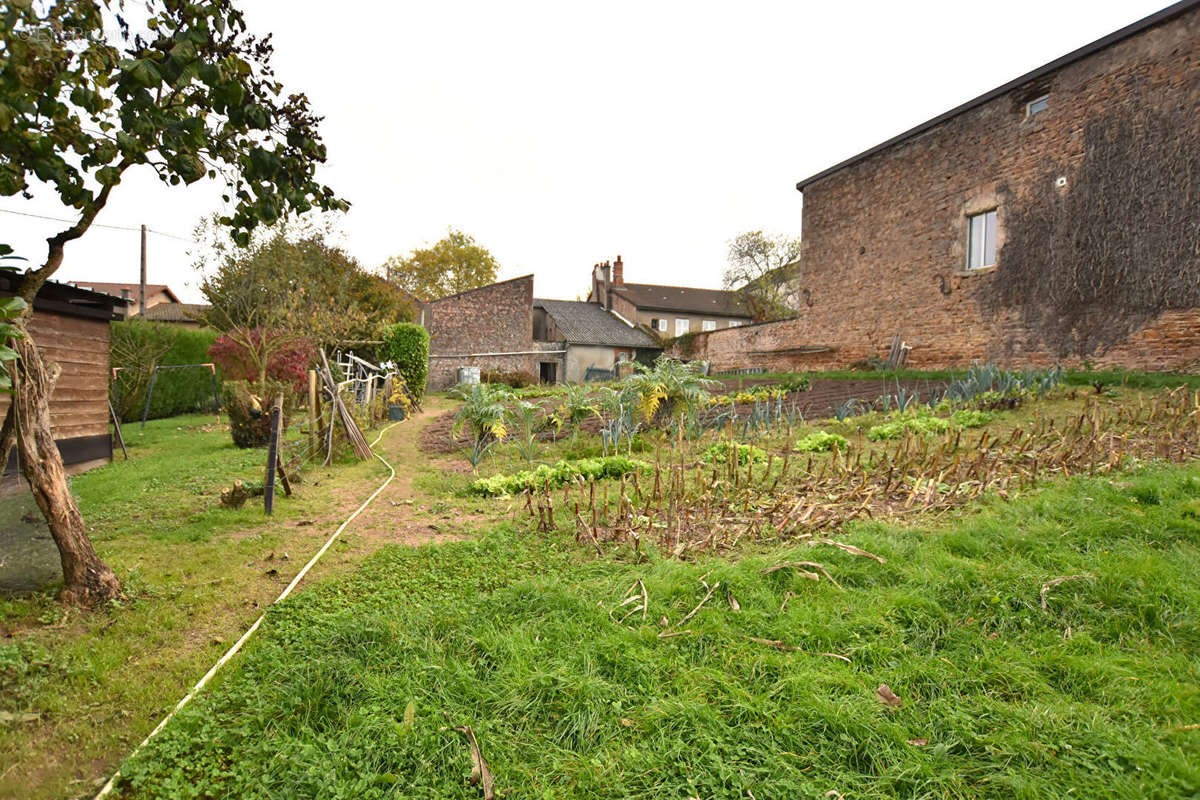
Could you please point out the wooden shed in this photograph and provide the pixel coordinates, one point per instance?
(71, 328)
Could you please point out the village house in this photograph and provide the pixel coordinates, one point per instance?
(502, 328)
(669, 311)
(156, 294)
(71, 328)
(595, 341)
(1051, 219)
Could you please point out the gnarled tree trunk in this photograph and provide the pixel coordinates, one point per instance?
(87, 581)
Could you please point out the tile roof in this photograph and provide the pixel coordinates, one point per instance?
(589, 323)
(682, 298)
(174, 312)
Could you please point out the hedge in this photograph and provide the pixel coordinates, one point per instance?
(407, 346)
(176, 391)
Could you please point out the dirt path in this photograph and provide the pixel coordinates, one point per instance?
(403, 514)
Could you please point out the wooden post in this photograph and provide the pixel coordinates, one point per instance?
(312, 411)
(142, 280)
(272, 456)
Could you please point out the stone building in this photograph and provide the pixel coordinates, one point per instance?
(594, 341)
(501, 327)
(668, 311)
(1053, 219)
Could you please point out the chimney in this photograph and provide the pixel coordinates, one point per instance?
(607, 285)
(618, 272)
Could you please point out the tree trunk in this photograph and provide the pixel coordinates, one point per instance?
(87, 581)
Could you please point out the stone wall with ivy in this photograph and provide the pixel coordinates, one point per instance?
(1098, 207)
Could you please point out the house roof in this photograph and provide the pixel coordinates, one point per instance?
(115, 288)
(1075, 55)
(174, 312)
(589, 323)
(719, 302)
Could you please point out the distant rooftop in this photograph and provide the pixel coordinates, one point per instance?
(682, 298)
(174, 312)
(115, 289)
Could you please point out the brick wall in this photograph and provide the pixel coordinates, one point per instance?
(885, 238)
(465, 327)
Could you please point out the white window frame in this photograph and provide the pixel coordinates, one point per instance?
(682, 326)
(735, 323)
(660, 325)
(708, 325)
(1044, 101)
(978, 248)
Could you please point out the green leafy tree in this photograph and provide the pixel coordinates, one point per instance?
(88, 93)
(763, 270)
(452, 265)
(291, 282)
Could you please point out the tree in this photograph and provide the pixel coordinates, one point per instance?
(290, 282)
(84, 97)
(452, 265)
(763, 270)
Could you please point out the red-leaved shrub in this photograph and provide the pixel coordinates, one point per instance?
(289, 363)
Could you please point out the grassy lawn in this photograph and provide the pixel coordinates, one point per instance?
(351, 687)
(196, 575)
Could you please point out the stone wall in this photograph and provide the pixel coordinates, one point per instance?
(885, 238)
(490, 328)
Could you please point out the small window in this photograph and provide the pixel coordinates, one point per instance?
(1037, 106)
(708, 325)
(981, 240)
(681, 326)
(735, 323)
(658, 325)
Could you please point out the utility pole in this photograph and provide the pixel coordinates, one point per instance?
(142, 285)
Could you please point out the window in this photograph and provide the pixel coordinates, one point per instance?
(735, 323)
(708, 325)
(658, 325)
(1037, 105)
(981, 240)
(681, 326)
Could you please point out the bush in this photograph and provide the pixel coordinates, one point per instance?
(136, 346)
(821, 442)
(557, 475)
(518, 379)
(406, 345)
(248, 407)
(289, 364)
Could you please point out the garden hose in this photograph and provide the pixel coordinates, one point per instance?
(232, 651)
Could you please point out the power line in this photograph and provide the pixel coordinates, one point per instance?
(95, 224)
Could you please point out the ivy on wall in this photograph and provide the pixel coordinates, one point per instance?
(1090, 262)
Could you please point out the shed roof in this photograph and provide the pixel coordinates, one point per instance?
(63, 298)
(720, 302)
(1167, 13)
(589, 323)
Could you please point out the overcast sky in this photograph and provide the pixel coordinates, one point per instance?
(560, 134)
